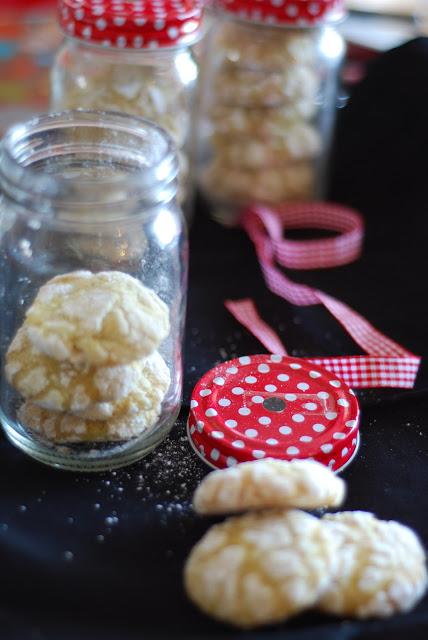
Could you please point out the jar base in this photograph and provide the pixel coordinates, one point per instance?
(77, 457)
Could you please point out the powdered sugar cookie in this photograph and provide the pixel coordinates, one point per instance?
(257, 122)
(268, 484)
(130, 417)
(59, 386)
(97, 319)
(100, 83)
(380, 569)
(296, 86)
(129, 88)
(297, 142)
(243, 47)
(260, 568)
(291, 182)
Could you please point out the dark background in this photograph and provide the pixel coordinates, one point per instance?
(100, 556)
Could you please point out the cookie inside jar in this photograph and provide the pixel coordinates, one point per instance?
(267, 106)
(135, 59)
(95, 377)
(93, 268)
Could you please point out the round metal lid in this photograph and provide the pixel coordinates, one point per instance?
(273, 406)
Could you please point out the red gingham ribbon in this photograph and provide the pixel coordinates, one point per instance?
(387, 364)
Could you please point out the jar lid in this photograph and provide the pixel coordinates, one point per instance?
(298, 13)
(273, 406)
(132, 24)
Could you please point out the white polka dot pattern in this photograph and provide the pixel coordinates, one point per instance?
(295, 12)
(284, 408)
(132, 25)
(244, 411)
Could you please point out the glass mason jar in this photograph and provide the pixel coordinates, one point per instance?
(93, 275)
(133, 58)
(268, 99)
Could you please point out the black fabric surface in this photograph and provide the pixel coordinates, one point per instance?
(60, 581)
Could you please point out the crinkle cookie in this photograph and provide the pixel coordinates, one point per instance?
(244, 47)
(268, 484)
(263, 122)
(291, 182)
(299, 141)
(97, 319)
(59, 386)
(127, 89)
(130, 88)
(260, 568)
(380, 569)
(296, 86)
(264, 95)
(134, 415)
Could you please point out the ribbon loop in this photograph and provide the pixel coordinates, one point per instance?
(342, 249)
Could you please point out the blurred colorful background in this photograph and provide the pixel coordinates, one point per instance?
(29, 36)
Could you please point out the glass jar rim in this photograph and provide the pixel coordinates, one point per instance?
(18, 152)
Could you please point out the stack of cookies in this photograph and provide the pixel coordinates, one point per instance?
(261, 112)
(136, 89)
(85, 359)
(267, 565)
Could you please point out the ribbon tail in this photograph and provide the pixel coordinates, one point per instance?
(361, 330)
(245, 312)
(371, 372)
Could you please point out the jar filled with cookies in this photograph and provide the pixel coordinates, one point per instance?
(93, 273)
(136, 58)
(268, 100)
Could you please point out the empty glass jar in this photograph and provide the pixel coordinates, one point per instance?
(268, 100)
(93, 269)
(136, 58)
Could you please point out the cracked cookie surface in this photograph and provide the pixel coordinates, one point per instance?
(97, 319)
(260, 568)
(135, 414)
(59, 386)
(380, 569)
(269, 484)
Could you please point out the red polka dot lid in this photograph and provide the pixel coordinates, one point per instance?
(132, 24)
(273, 406)
(300, 13)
